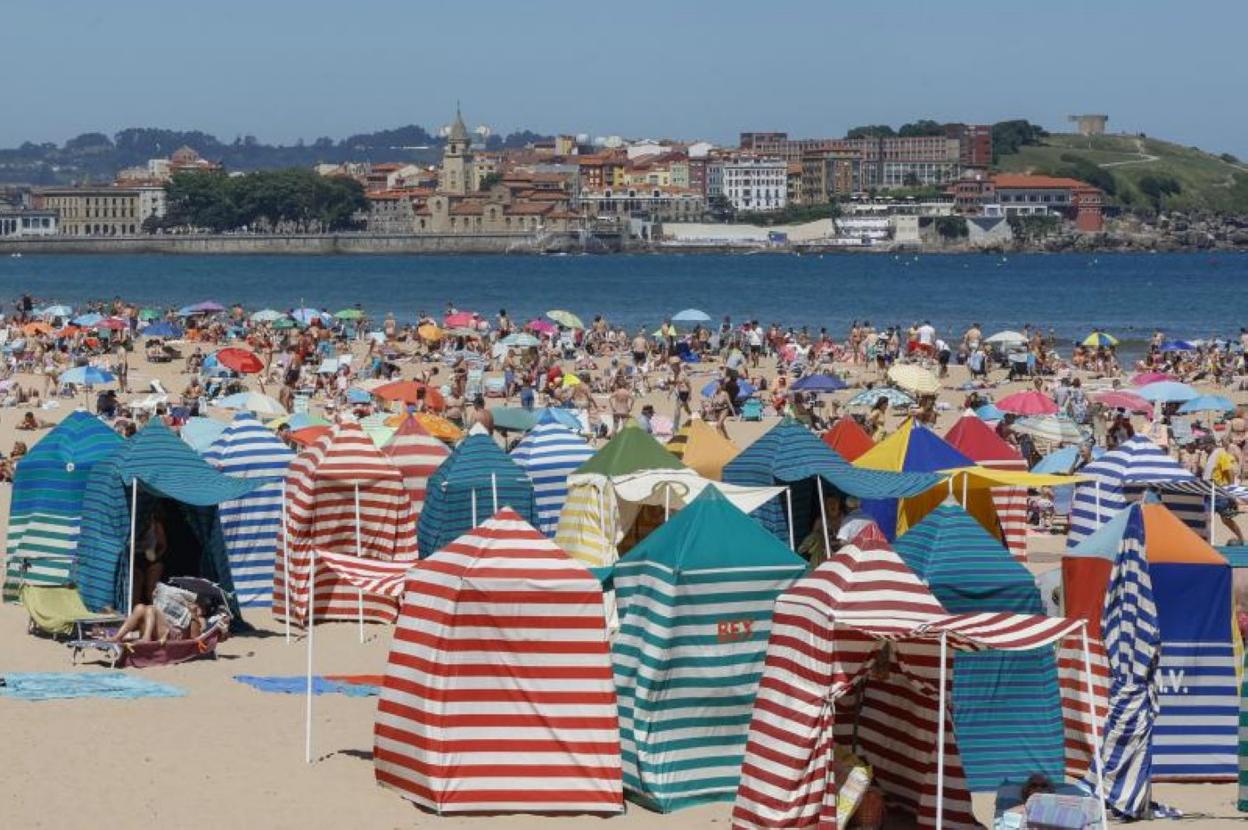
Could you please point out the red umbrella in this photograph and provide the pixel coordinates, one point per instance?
(1145, 378)
(462, 318)
(1028, 403)
(112, 323)
(240, 360)
(410, 392)
(308, 435)
(1125, 400)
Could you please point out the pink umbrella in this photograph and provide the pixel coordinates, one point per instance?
(462, 318)
(1145, 378)
(111, 323)
(1125, 400)
(1028, 403)
(541, 327)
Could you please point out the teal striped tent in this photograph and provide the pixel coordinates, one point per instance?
(45, 509)
(695, 601)
(1006, 705)
(170, 474)
(474, 483)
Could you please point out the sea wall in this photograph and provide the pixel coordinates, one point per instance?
(300, 244)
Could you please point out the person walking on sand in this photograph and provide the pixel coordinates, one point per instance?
(621, 407)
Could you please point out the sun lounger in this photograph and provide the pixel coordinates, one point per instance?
(57, 611)
(143, 655)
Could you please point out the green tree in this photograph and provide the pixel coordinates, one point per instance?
(922, 127)
(951, 227)
(489, 180)
(1080, 168)
(1009, 136)
(1158, 187)
(871, 131)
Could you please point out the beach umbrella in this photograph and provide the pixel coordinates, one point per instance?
(200, 433)
(989, 412)
(437, 426)
(1208, 403)
(407, 391)
(206, 307)
(240, 360)
(463, 331)
(56, 311)
(284, 323)
(86, 376)
(87, 320)
(1030, 402)
(430, 332)
(520, 340)
(1165, 391)
(691, 315)
(355, 395)
(1056, 429)
(744, 389)
(565, 318)
(297, 421)
(149, 314)
(349, 314)
(162, 329)
(1007, 338)
(305, 316)
(1177, 346)
(541, 326)
(819, 383)
(36, 328)
(267, 315)
(1145, 378)
(253, 402)
(308, 435)
(1129, 401)
(868, 397)
(1100, 338)
(461, 318)
(66, 331)
(1060, 461)
(113, 324)
(914, 379)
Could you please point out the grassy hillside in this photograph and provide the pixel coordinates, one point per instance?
(1208, 182)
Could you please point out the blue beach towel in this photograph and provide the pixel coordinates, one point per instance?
(298, 684)
(66, 685)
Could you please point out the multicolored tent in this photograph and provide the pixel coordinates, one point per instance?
(977, 441)
(700, 447)
(418, 455)
(791, 454)
(45, 508)
(694, 602)
(498, 693)
(476, 481)
(1006, 705)
(848, 438)
(160, 469)
(247, 449)
(549, 453)
(343, 496)
(1196, 731)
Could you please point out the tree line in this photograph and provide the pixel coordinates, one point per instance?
(272, 201)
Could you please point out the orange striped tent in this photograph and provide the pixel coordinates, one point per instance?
(978, 442)
(339, 477)
(498, 694)
(417, 454)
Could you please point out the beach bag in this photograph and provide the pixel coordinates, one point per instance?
(1050, 811)
(852, 776)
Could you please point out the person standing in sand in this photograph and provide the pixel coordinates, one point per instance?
(621, 407)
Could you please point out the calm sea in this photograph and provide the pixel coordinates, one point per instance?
(1186, 295)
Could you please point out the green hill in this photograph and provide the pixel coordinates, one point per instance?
(1204, 181)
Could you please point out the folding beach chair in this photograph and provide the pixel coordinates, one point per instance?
(1063, 501)
(752, 410)
(57, 611)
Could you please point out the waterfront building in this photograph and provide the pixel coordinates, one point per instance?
(749, 183)
(16, 223)
(656, 203)
(102, 210)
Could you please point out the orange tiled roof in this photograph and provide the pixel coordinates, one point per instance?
(1024, 181)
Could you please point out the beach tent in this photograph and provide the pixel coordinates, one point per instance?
(700, 447)
(629, 450)
(694, 602)
(45, 507)
(343, 496)
(792, 455)
(248, 449)
(153, 469)
(858, 657)
(476, 481)
(848, 438)
(977, 441)
(418, 455)
(1006, 706)
(1194, 737)
(498, 693)
(1125, 475)
(549, 453)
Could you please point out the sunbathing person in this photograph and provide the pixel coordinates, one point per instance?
(154, 625)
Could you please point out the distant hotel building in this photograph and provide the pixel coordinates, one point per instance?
(1013, 194)
(104, 210)
(749, 183)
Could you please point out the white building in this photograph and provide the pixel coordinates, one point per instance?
(20, 222)
(153, 201)
(749, 184)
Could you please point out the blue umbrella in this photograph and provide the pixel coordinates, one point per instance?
(1060, 461)
(358, 396)
(86, 376)
(744, 389)
(989, 412)
(305, 316)
(56, 311)
(1167, 390)
(868, 397)
(1177, 346)
(1208, 403)
(691, 315)
(819, 383)
(201, 432)
(88, 319)
(162, 329)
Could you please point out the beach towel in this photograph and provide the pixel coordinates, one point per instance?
(65, 685)
(298, 684)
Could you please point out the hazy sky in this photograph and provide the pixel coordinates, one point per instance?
(284, 69)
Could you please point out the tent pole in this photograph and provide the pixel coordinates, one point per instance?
(134, 518)
(1096, 729)
(307, 741)
(494, 491)
(667, 503)
(1213, 498)
(940, 733)
(1096, 489)
(359, 553)
(474, 507)
(286, 563)
(788, 494)
(823, 520)
(965, 478)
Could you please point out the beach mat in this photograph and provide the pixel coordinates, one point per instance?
(348, 685)
(68, 685)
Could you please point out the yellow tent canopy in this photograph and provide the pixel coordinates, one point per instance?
(700, 446)
(980, 478)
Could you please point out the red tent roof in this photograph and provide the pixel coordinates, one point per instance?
(848, 438)
(978, 442)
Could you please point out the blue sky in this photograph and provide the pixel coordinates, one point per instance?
(281, 69)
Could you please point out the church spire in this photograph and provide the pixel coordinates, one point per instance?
(459, 132)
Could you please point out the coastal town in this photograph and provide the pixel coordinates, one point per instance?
(924, 186)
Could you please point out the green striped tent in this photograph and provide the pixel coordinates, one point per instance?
(45, 510)
(695, 601)
(1006, 708)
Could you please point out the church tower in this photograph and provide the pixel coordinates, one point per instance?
(457, 176)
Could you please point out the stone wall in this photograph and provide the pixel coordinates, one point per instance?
(305, 244)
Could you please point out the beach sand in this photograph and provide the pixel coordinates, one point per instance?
(229, 756)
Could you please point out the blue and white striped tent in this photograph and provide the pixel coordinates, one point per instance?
(1124, 475)
(474, 483)
(695, 601)
(247, 449)
(549, 453)
(1006, 705)
(45, 510)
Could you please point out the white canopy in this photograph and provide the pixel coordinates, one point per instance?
(676, 488)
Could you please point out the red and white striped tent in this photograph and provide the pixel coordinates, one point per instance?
(855, 657)
(341, 476)
(499, 694)
(978, 442)
(417, 454)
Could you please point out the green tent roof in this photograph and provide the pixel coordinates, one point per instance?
(712, 533)
(632, 449)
